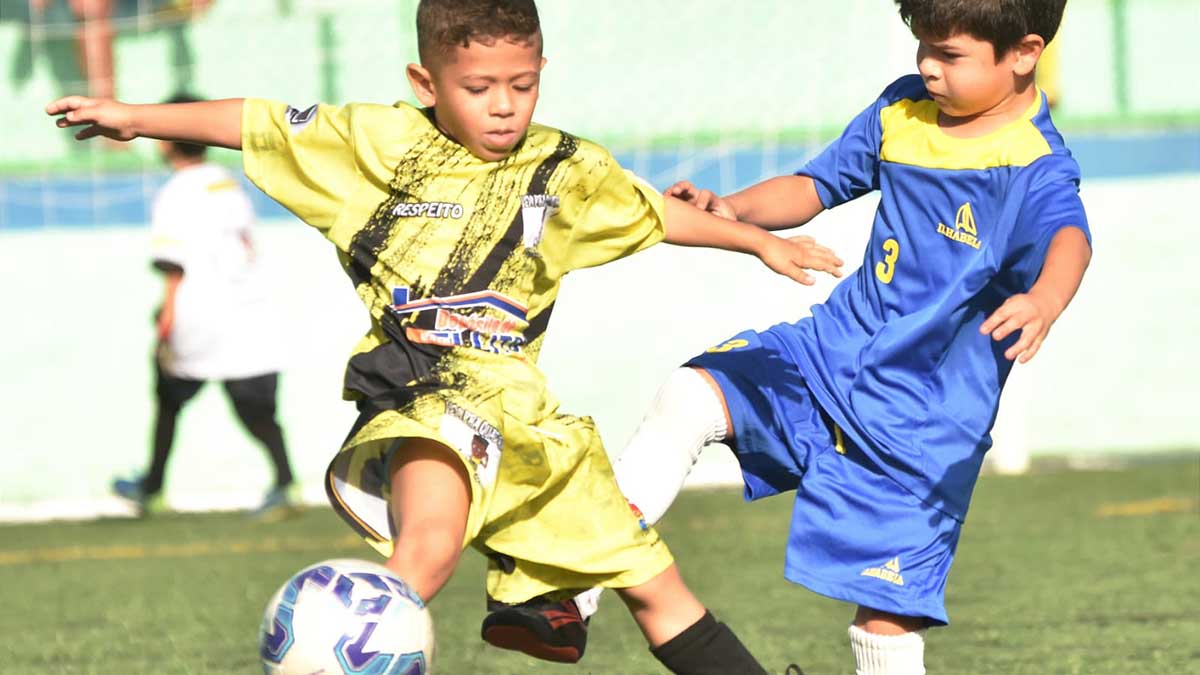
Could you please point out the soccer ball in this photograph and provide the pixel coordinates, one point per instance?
(347, 617)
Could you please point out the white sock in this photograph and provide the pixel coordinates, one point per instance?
(686, 416)
(888, 654)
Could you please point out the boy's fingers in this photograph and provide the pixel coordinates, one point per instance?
(999, 316)
(1007, 328)
(67, 103)
(1023, 343)
(1033, 349)
(90, 132)
(801, 276)
(681, 189)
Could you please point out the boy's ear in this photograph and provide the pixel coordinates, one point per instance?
(1026, 53)
(422, 84)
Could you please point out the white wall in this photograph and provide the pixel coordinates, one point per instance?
(1117, 374)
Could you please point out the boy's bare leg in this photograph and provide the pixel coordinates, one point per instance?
(682, 634)
(431, 496)
(888, 644)
(95, 40)
(662, 607)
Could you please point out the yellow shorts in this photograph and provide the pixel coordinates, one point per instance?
(543, 494)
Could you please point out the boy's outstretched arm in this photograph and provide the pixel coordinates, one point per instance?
(687, 225)
(1034, 312)
(216, 123)
(774, 204)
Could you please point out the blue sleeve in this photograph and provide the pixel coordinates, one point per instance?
(849, 167)
(1051, 203)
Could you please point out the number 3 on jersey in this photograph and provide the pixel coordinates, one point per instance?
(885, 269)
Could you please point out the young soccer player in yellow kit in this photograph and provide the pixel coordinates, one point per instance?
(456, 223)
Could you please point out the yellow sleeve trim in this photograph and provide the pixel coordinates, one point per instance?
(911, 136)
(222, 185)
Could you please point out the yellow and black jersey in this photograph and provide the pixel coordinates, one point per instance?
(458, 261)
(455, 257)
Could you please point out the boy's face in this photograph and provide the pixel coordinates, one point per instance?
(964, 77)
(483, 95)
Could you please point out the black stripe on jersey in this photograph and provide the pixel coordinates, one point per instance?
(486, 273)
(538, 324)
(412, 172)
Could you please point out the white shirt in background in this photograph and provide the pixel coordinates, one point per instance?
(223, 327)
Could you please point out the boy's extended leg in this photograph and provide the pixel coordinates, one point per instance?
(431, 498)
(687, 414)
(685, 637)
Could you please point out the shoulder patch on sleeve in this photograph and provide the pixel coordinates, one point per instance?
(298, 119)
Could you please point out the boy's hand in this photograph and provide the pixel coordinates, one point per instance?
(103, 117)
(1028, 313)
(790, 257)
(706, 200)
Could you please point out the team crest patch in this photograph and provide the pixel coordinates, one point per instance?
(298, 119)
(476, 440)
(535, 211)
(889, 572)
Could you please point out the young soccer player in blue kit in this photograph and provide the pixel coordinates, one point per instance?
(876, 410)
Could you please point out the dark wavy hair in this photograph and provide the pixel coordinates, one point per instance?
(445, 24)
(1000, 22)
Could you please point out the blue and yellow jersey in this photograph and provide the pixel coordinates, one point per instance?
(458, 260)
(895, 356)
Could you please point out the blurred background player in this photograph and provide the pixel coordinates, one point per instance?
(877, 409)
(456, 223)
(96, 26)
(215, 319)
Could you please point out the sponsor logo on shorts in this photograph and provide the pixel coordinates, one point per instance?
(477, 440)
(890, 572)
(640, 517)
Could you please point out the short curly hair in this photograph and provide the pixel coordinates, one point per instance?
(1000, 22)
(445, 24)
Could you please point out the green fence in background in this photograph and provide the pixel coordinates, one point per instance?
(629, 73)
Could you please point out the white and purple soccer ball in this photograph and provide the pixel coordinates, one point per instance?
(346, 617)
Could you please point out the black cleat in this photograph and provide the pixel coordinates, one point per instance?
(551, 631)
(793, 669)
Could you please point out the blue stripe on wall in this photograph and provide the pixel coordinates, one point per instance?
(124, 199)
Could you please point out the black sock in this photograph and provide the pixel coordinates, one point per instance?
(707, 648)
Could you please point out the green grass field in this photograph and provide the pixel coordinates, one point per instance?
(1083, 572)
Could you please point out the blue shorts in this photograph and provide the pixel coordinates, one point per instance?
(856, 534)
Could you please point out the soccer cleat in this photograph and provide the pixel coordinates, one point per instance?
(793, 669)
(280, 503)
(131, 490)
(551, 631)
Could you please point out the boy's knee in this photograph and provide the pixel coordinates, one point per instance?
(879, 622)
(431, 545)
